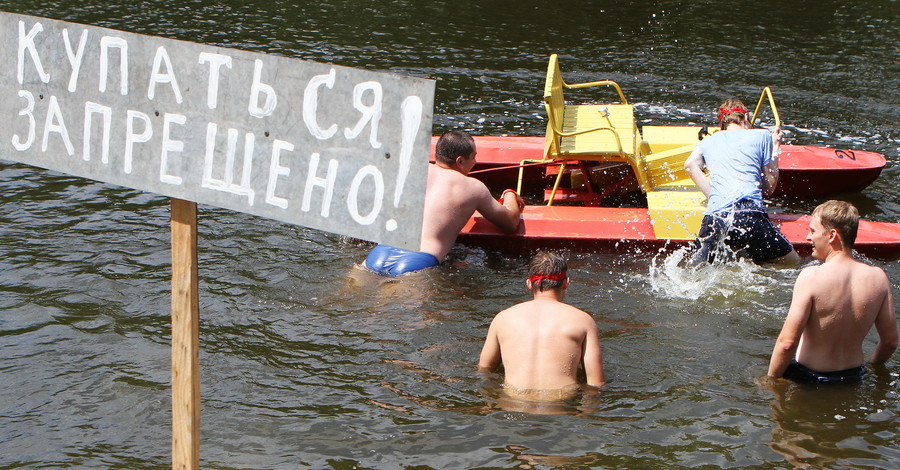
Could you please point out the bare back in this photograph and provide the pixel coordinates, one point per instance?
(543, 343)
(450, 199)
(846, 297)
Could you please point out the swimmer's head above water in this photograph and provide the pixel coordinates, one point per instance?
(454, 147)
(547, 271)
(840, 216)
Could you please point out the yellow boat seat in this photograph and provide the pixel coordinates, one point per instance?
(610, 132)
(666, 168)
(589, 132)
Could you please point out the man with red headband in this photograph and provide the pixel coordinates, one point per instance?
(742, 165)
(542, 343)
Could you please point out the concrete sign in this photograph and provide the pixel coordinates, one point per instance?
(318, 145)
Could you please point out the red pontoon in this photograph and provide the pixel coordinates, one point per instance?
(591, 229)
(804, 171)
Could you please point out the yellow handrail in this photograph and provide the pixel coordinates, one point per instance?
(767, 93)
(601, 82)
(562, 169)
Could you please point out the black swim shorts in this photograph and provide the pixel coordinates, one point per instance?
(801, 373)
(741, 227)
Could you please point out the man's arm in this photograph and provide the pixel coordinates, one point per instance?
(490, 357)
(886, 326)
(694, 168)
(506, 215)
(789, 339)
(770, 171)
(593, 357)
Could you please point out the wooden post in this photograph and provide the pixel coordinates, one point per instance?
(185, 337)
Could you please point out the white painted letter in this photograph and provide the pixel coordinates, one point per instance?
(226, 184)
(74, 57)
(352, 203)
(168, 77)
(311, 104)
(369, 113)
(410, 118)
(131, 138)
(326, 183)
(216, 61)
(106, 43)
(27, 42)
(258, 87)
(276, 170)
(26, 111)
(169, 145)
(55, 123)
(89, 109)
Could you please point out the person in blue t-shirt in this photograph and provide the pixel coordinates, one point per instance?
(743, 166)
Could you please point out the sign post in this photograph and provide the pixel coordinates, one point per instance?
(318, 145)
(185, 337)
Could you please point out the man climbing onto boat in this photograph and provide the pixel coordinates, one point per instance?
(742, 164)
(542, 343)
(834, 306)
(451, 197)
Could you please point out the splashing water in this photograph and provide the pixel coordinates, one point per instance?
(673, 276)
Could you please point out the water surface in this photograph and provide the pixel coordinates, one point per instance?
(308, 362)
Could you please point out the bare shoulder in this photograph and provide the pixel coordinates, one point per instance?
(844, 271)
(873, 274)
(511, 312)
(475, 184)
(577, 313)
(809, 273)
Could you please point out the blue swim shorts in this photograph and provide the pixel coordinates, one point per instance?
(801, 373)
(392, 261)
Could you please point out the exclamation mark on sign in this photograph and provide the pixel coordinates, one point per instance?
(410, 118)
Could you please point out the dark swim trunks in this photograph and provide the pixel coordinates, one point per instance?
(392, 261)
(743, 226)
(801, 373)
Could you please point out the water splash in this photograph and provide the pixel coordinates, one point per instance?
(671, 275)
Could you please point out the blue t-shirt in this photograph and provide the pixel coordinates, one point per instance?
(735, 160)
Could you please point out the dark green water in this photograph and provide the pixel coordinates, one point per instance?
(308, 363)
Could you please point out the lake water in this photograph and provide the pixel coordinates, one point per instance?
(307, 362)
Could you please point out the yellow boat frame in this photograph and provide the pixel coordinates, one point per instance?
(608, 133)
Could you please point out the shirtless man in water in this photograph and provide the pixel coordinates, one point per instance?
(543, 342)
(834, 306)
(451, 197)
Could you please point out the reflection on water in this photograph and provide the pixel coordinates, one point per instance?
(831, 433)
(309, 362)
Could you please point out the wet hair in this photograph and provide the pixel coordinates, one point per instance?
(454, 144)
(547, 263)
(732, 111)
(841, 216)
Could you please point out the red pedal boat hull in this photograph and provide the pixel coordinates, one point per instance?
(590, 229)
(805, 171)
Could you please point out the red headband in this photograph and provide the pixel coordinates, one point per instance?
(560, 276)
(725, 112)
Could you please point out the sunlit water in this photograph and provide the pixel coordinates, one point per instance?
(308, 361)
